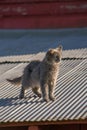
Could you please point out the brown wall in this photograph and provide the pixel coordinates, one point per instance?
(59, 127)
(14, 128)
(34, 14)
(48, 127)
(83, 127)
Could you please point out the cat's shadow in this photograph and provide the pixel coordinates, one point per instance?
(17, 101)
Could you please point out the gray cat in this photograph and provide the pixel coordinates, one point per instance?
(41, 75)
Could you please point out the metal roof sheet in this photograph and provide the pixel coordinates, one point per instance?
(6, 67)
(70, 92)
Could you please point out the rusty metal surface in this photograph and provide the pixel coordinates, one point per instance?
(43, 14)
(53, 8)
(70, 93)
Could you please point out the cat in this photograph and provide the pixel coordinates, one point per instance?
(41, 76)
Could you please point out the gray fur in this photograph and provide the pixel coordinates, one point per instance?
(41, 75)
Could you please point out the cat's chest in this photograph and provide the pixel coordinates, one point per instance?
(51, 72)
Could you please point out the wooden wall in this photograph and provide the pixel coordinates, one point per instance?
(38, 14)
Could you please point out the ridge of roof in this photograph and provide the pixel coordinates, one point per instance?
(74, 53)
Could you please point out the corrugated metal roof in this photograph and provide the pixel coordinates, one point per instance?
(71, 94)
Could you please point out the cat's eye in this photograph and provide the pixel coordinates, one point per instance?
(57, 58)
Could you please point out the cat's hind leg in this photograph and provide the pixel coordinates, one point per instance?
(22, 92)
(36, 90)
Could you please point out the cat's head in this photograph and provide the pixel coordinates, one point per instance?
(54, 55)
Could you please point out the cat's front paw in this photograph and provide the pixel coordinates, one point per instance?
(52, 98)
(39, 95)
(46, 99)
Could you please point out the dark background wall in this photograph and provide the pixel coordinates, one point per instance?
(34, 14)
(48, 127)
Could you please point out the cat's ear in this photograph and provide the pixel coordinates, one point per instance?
(60, 48)
(50, 52)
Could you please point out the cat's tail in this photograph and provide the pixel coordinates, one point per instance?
(16, 81)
